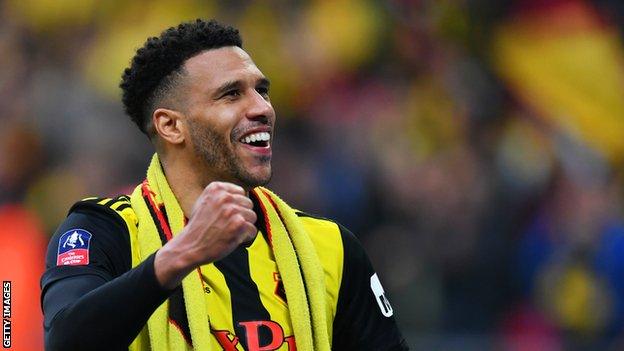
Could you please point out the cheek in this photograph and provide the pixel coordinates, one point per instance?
(216, 124)
(224, 122)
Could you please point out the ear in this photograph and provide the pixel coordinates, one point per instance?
(169, 125)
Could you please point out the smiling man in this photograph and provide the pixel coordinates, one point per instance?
(201, 256)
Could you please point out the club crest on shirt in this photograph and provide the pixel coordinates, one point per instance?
(73, 248)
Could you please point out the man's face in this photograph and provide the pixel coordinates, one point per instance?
(229, 115)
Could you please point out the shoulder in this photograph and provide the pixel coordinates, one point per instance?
(104, 216)
(93, 239)
(102, 224)
(117, 209)
(318, 225)
(335, 244)
(325, 233)
(111, 220)
(323, 229)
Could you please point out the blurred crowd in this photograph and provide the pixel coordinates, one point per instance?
(476, 148)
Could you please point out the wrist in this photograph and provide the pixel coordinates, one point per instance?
(171, 266)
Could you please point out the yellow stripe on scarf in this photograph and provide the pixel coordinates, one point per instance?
(163, 334)
(294, 253)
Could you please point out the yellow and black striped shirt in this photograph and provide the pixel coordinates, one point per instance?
(109, 303)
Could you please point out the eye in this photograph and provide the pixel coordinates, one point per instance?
(232, 93)
(264, 91)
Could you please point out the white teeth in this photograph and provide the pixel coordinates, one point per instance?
(261, 136)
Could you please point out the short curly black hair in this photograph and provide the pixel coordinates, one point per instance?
(156, 67)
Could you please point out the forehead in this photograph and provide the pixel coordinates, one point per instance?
(215, 66)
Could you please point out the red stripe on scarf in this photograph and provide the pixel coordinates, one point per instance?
(147, 192)
(267, 222)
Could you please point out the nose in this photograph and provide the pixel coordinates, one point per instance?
(259, 107)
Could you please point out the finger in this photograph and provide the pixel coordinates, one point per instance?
(240, 225)
(243, 201)
(250, 231)
(249, 215)
(247, 231)
(229, 187)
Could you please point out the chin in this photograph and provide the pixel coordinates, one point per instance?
(253, 179)
(263, 181)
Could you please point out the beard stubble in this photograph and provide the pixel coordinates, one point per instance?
(219, 158)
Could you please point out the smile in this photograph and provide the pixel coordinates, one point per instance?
(258, 139)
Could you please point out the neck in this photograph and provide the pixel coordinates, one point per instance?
(187, 180)
(184, 181)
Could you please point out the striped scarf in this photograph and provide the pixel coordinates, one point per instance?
(181, 322)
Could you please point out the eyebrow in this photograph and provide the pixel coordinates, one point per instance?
(225, 87)
(236, 84)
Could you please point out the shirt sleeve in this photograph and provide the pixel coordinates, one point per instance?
(364, 317)
(92, 299)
